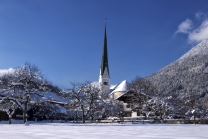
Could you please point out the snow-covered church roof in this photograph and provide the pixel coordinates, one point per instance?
(120, 88)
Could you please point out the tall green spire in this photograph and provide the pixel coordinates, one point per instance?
(104, 63)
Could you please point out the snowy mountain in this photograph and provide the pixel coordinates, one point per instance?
(187, 74)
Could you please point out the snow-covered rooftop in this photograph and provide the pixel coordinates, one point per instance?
(122, 87)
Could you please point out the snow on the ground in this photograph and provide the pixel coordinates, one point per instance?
(102, 131)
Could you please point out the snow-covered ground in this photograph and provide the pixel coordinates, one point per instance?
(102, 131)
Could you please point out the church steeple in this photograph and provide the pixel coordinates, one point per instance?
(104, 62)
(104, 79)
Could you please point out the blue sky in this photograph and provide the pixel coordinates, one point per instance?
(64, 38)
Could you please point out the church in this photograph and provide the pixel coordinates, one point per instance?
(116, 92)
(104, 77)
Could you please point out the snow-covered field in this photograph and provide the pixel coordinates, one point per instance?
(102, 131)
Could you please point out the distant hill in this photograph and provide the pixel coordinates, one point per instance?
(189, 72)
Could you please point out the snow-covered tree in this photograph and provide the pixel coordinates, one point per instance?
(84, 98)
(9, 107)
(159, 107)
(23, 87)
(142, 85)
(192, 103)
(140, 91)
(44, 109)
(113, 108)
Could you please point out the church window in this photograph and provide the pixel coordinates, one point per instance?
(105, 83)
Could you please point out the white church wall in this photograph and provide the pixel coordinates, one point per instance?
(104, 81)
(116, 95)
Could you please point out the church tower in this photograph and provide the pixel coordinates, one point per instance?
(104, 78)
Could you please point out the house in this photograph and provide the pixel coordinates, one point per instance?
(131, 100)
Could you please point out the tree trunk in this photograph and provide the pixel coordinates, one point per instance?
(76, 118)
(25, 110)
(83, 116)
(24, 116)
(10, 117)
(92, 119)
(194, 118)
(10, 113)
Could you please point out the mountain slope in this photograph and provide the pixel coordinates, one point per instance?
(187, 74)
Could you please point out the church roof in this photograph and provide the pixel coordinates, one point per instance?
(122, 87)
(104, 62)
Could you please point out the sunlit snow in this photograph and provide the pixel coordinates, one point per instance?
(199, 49)
(102, 131)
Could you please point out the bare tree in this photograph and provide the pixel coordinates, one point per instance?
(24, 86)
(142, 85)
(140, 91)
(113, 108)
(9, 107)
(84, 98)
(45, 109)
(191, 101)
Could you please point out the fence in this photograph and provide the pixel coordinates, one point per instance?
(166, 121)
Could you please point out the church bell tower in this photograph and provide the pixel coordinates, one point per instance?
(104, 78)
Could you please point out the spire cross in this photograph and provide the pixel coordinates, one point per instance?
(105, 21)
